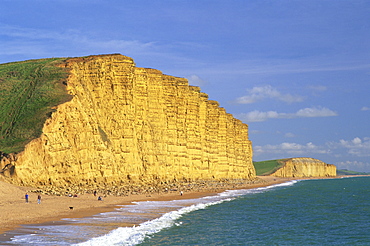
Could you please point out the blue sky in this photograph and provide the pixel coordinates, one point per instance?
(297, 72)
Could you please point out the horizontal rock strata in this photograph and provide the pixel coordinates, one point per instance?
(305, 167)
(129, 125)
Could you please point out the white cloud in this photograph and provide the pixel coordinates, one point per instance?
(258, 116)
(355, 147)
(259, 93)
(358, 166)
(365, 108)
(290, 149)
(196, 80)
(315, 112)
(357, 141)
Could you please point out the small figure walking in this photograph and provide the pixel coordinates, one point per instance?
(180, 193)
(26, 197)
(94, 192)
(39, 199)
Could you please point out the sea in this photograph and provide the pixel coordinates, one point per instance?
(299, 212)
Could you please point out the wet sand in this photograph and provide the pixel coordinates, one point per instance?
(16, 212)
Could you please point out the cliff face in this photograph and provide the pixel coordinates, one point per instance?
(305, 167)
(127, 124)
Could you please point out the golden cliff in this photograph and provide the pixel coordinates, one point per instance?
(133, 125)
(305, 167)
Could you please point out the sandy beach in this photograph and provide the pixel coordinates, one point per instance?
(16, 212)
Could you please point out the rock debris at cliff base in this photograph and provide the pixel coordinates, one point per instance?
(139, 189)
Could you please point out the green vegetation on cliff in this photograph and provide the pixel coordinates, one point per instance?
(349, 172)
(28, 91)
(267, 167)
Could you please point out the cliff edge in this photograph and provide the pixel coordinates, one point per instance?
(128, 125)
(304, 167)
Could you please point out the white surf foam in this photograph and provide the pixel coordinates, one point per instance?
(95, 233)
(135, 235)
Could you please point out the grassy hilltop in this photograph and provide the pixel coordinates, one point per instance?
(28, 91)
(349, 172)
(268, 167)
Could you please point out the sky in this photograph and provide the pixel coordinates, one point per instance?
(296, 71)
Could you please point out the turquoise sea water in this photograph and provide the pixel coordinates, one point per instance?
(308, 212)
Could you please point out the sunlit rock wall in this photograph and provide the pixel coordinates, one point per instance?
(127, 124)
(305, 167)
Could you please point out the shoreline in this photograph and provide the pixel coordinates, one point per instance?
(15, 212)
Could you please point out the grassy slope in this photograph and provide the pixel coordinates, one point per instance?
(28, 91)
(349, 172)
(267, 167)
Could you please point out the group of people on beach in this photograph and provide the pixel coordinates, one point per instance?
(26, 197)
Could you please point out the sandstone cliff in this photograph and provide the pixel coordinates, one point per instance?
(305, 167)
(133, 125)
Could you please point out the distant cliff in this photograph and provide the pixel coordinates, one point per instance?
(305, 167)
(125, 125)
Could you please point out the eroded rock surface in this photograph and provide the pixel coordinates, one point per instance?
(305, 167)
(129, 125)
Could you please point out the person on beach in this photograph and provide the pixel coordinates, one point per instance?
(26, 197)
(39, 199)
(94, 192)
(100, 198)
(180, 193)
